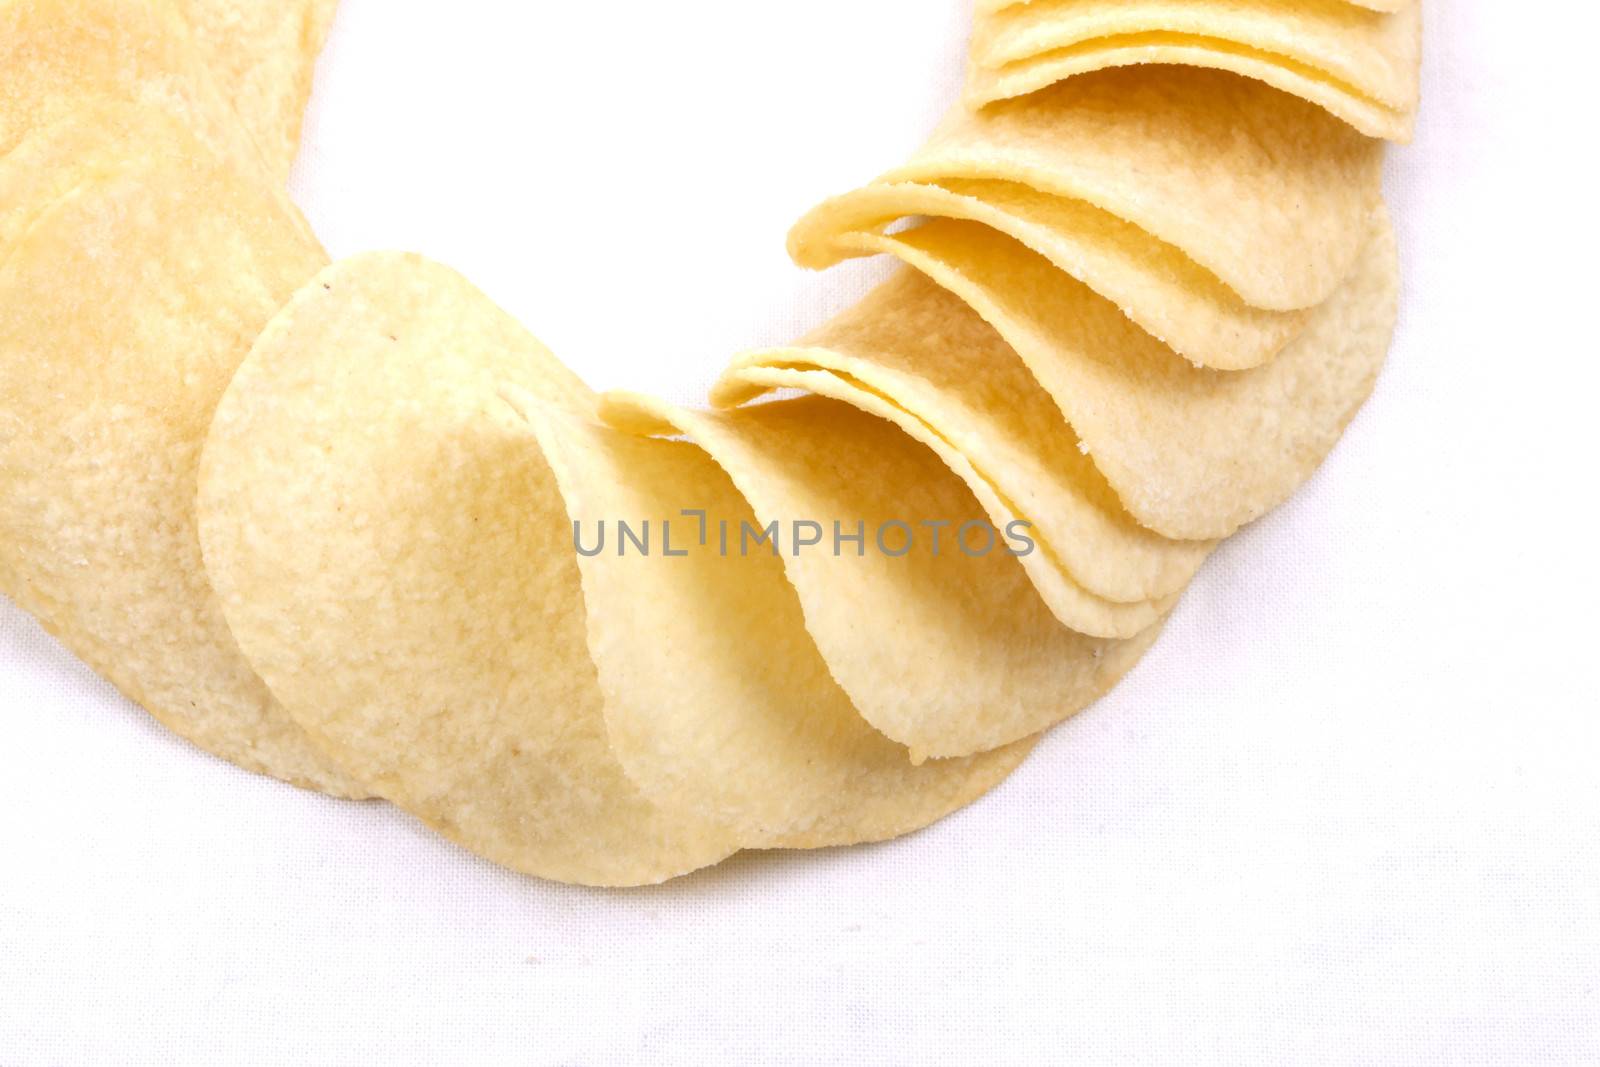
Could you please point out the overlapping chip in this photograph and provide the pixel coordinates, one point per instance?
(130, 300)
(1359, 63)
(1157, 286)
(58, 57)
(752, 730)
(1191, 452)
(392, 552)
(961, 656)
(387, 508)
(263, 54)
(1263, 190)
(919, 356)
(352, 526)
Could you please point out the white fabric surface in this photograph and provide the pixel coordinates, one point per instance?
(1347, 811)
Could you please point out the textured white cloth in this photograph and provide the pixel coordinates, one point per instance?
(1347, 811)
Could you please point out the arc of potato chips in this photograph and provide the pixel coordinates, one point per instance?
(352, 526)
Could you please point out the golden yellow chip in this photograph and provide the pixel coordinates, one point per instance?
(985, 86)
(1371, 53)
(130, 301)
(915, 599)
(59, 56)
(1266, 191)
(1191, 452)
(393, 553)
(1154, 284)
(54, 160)
(263, 54)
(1075, 607)
(1360, 64)
(984, 7)
(716, 700)
(917, 355)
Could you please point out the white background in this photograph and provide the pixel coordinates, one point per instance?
(1347, 811)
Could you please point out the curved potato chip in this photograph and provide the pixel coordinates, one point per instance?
(1155, 285)
(984, 7)
(129, 303)
(915, 354)
(263, 54)
(1192, 453)
(393, 554)
(985, 86)
(716, 699)
(947, 650)
(1074, 606)
(1369, 54)
(1268, 192)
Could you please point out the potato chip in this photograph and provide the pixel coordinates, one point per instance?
(52, 161)
(1266, 191)
(130, 301)
(58, 56)
(1192, 453)
(263, 56)
(1075, 607)
(1157, 286)
(1365, 54)
(1373, 119)
(917, 355)
(716, 700)
(392, 552)
(984, 7)
(928, 623)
